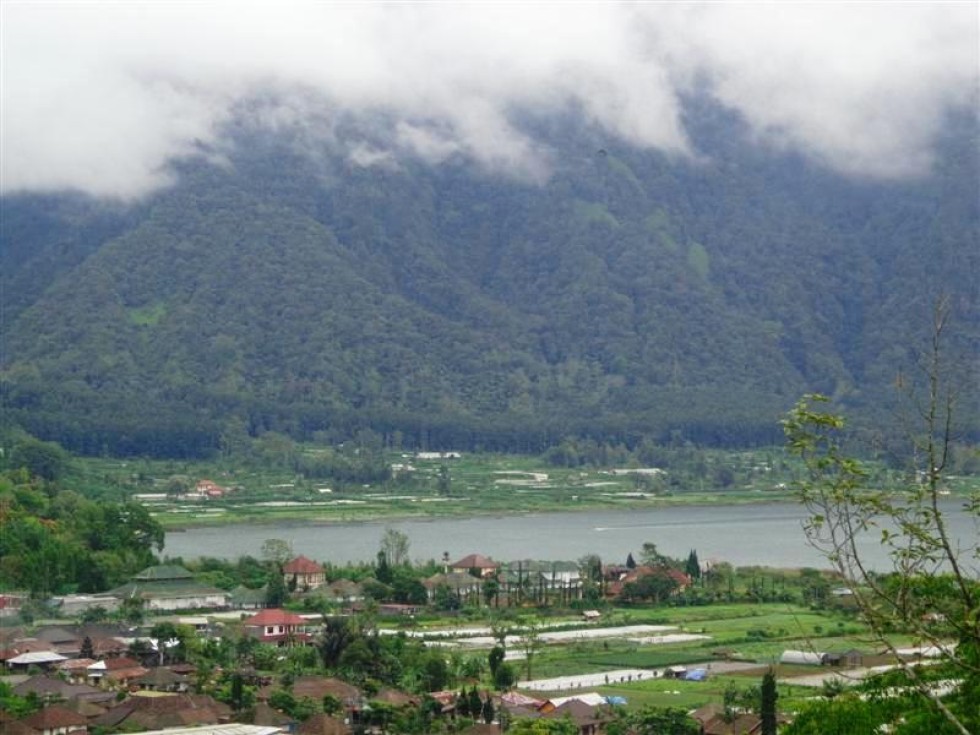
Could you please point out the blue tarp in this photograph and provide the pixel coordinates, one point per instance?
(616, 700)
(696, 675)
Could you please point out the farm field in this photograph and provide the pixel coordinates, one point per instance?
(424, 486)
(743, 641)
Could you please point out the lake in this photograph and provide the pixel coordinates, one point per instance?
(764, 534)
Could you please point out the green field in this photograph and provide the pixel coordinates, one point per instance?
(793, 626)
(477, 484)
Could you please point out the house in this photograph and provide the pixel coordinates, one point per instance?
(164, 712)
(209, 489)
(170, 588)
(587, 717)
(245, 598)
(303, 574)
(120, 672)
(398, 608)
(743, 724)
(75, 669)
(804, 658)
(47, 688)
(712, 720)
(344, 591)
(56, 719)
(230, 728)
(851, 658)
(70, 606)
(161, 679)
(61, 641)
(40, 659)
(11, 726)
(278, 627)
(642, 581)
(477, 565)
(317, 688)
(10, 605)
(592, 699)
(591, 616)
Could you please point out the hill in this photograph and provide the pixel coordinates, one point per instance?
(630, 294)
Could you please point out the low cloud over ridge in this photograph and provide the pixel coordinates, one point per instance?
(100, 96)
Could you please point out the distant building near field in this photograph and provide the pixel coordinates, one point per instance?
(438, 455)
(210, 489)
(806, 658)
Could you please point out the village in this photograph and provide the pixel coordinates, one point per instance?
(478, 646)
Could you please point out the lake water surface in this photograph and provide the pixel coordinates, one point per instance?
(765, 534)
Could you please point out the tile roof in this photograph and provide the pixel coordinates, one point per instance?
(274, 616)
(302, 565)
(321, 724)
(474, 561)
(53, 717)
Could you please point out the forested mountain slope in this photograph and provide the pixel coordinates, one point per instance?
(286, 288)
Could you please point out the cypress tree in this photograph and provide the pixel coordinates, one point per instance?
(768, 705)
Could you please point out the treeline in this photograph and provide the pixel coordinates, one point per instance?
(53, 540)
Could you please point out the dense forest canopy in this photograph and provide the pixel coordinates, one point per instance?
(630, 295)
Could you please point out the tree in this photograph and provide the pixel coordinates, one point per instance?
(844, 715)
(653, 721)
(382, 570)
(488, 711)
(767, 706)
(394, 546)
(630, 561)
(41, 459)
(504, 677)
(656, 586)
(692, 567)
(435, 672)
(541, 726)
(530, 643)
(444, 482)
(337, 635)
(651, 556)
(275, 592)
(495, 658)
(590, 569)
(276, 551)
(87, 650)
(475, 702)
(928, 566)
(177, 486)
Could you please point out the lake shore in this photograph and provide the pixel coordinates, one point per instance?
(459, 508)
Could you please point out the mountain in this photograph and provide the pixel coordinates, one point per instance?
(282, 287)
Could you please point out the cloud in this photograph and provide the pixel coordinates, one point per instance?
(101, 96)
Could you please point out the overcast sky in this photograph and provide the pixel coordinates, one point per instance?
(98, 96)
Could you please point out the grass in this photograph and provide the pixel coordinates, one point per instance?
(481, 484)
(728, 624)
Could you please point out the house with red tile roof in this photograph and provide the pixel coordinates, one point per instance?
(278, 627)
(477, 565)
(303, 574)
(209, 489)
